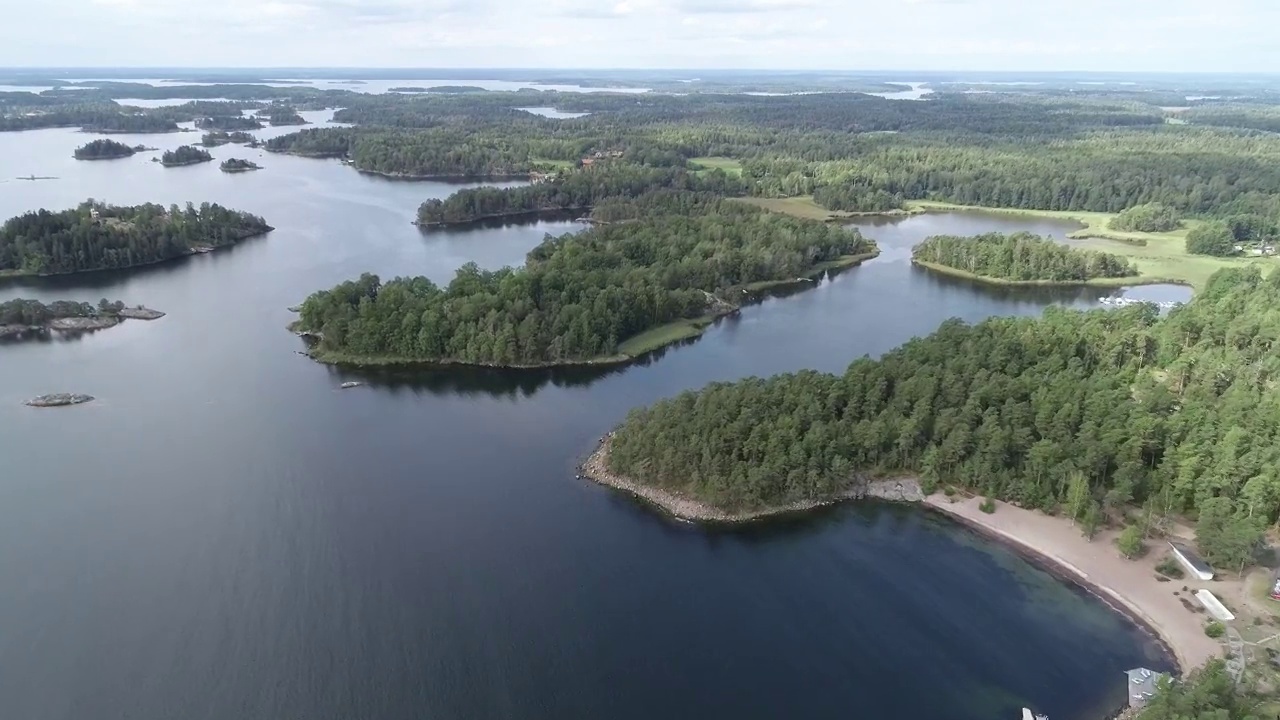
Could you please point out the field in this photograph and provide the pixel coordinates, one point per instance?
(729, 165)
(801, 207)
(662, 335)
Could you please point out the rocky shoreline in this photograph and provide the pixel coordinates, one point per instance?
(58, 400)
(903, 489)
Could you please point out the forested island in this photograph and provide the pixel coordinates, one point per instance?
(606, 294)
(122, 123)
(1079, 410)
(228, 123)
(184, 155)
(21, 318)
(1021, 258)
(97, 236)
(282, 115)
(237, 165)
(104, 149)
(221, 137)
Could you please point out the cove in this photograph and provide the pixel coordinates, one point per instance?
(225, 533)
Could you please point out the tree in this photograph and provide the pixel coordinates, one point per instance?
(1148, 217)
(1077, 496)
(1212, 238)
(1130, 542)
(1226, 537)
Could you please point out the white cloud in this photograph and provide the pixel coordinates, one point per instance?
(852, 34)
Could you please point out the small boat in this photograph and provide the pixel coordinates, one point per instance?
(1028, 715)
(350, 384)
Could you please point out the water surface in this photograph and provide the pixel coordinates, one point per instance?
(226, 534)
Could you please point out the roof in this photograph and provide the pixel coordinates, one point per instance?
(1192, 560)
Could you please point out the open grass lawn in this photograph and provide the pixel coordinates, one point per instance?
(654, 338)
(801, 207)
(1163, 257)
(728, 165)
(556, 164)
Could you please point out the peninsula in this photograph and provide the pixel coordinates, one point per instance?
(184, 155)
(27, 318)
(97, 236)
(607, 294)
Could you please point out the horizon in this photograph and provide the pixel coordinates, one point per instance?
(912, 35)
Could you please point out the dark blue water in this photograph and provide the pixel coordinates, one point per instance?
(225, 534)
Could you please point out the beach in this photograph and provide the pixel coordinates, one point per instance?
(1128, 585)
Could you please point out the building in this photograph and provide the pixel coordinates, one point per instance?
(1141, 686)
(1191, 562)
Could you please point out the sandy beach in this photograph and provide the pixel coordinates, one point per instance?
(1128, 585)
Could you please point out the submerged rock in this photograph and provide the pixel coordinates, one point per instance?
(58, 400)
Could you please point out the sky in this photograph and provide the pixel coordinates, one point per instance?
(1033, 35)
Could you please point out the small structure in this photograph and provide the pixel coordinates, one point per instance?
(1142, 686)
(1191, 562)
(1214, 606)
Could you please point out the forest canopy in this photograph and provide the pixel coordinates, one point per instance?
(1176, 413)
(1149, 217)
(103, 149)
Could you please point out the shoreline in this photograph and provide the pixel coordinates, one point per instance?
(195, 250)
(1128, 587)
(542, 214)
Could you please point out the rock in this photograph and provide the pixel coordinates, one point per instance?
(84, 323)
(58, 400)
(141, 313)
(350, 384)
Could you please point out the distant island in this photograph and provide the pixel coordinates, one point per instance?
(1021, 259)
(97, 236)
(222, 137)
(59, 400)
(407, 89)
(119, 123)
(228, 123)
(607, 294)
(454, 89)
(237, 165)
(26, 318)
(282, 115)
(104, 149)
(184, 155)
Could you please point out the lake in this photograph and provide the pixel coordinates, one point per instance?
(226, 534)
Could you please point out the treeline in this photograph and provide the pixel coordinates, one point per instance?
(1020, 257)
(1224, 238)
(184, 155)
(1177, 414)
(235, 165)
(578, 295)
(573, 190)
(96, 236)
(282, 115)
(102, 149)
(1209, 693)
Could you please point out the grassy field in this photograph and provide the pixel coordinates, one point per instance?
(801, 207)
(728, 165)
(554, 164)
(654, 338)
(1157, 255)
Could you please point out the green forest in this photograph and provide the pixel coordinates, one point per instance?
(33, 313)
(235, 165)
(1208, 693)
(103, 149)
(1019, 257)
(96, 236)
(184, 155)
(579, 295)
(222, 137)
(1149, 217)
(1176, 413)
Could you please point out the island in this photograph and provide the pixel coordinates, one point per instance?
(228, 123)
(608, 294)
(130, 123)
(105, 149)
(184, 155)
(238, 165)
(222, 137)
(58, 400)
(1023, 259)
(407, 89)
(454, 89)
(25, 318)
(282, 115)
(98, 236)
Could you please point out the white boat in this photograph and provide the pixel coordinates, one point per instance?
(350, 384)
